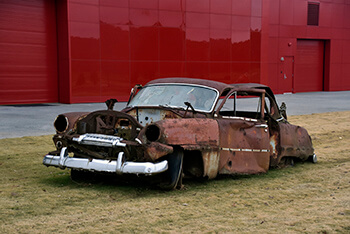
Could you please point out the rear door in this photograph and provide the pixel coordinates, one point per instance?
(244, 135)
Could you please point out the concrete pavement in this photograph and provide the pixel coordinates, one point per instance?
(36, 120)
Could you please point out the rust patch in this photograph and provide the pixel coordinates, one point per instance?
(210, 163)
(156, 150)
(195, 132)
(295, 141)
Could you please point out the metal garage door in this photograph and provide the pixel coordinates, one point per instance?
(28, 52)
(309, 66)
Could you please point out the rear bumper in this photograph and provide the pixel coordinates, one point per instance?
(118, 166)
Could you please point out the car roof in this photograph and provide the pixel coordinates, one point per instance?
(247, 86)
(209, 83)
(220, 86)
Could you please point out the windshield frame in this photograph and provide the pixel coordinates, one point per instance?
(181, 107)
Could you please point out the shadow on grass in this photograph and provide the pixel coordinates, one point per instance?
(127, 185)
(145, 186)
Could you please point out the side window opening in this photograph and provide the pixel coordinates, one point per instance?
(244, 104)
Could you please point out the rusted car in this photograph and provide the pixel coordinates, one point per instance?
(176, 127)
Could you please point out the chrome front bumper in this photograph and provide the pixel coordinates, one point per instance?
(114, 166)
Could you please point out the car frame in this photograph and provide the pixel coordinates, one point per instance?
(176, 127)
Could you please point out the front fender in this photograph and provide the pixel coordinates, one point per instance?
(190, 134)
(66, 121)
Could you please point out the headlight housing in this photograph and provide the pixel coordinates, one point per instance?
(61, 123)
(152, 132)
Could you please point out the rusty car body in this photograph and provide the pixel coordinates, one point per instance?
(176, 127)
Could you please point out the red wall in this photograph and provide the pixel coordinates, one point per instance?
(114, 45)
(105, 47)
(287, 23)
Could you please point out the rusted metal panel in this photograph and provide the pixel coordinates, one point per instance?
(275, 154)
(68, 119)
(210, 163)
(192, 133)
(295, 141)
(244, 146)
(109, 122)
(155, 150)
(147, 116)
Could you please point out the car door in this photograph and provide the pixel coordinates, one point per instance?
(244, 135)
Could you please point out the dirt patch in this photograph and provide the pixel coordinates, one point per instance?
(304, 198)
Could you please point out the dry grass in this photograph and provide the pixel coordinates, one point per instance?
(303, 198)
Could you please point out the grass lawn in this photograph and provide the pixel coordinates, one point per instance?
(304, 198)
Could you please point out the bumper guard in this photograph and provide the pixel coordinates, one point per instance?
(115, 166)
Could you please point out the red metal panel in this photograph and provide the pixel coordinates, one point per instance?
(143, 17)
(325, 16)
(220, 45)
(172, 69)
(142, 72)
(172, 5)
(241, 46)
(273, 76)
(197, 44)
(161, 38)
(254, 76)
(240, 7)
(197, 20)
(144, 43)
(240, 72)
(286, 12)
(197, 69)
(171, 44)
(85, 40)
(85, 80)
(171, 19)
(220, 72)
(220, 21)
(255, 38)
(300, 12)
(114, 15)
(84, 13)
(119, 3)
(256, 8)
(197, 6)
(221, 6)
(28, 55)
(274, 16)
(338, 15)
(309, 66)
(240, 22)
(115, 78)
(114, 42)
(149, 4)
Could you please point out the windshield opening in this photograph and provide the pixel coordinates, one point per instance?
(175, 95)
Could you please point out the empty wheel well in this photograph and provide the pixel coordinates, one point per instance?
(193, 163)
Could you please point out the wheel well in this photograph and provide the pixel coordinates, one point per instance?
(193, 163)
